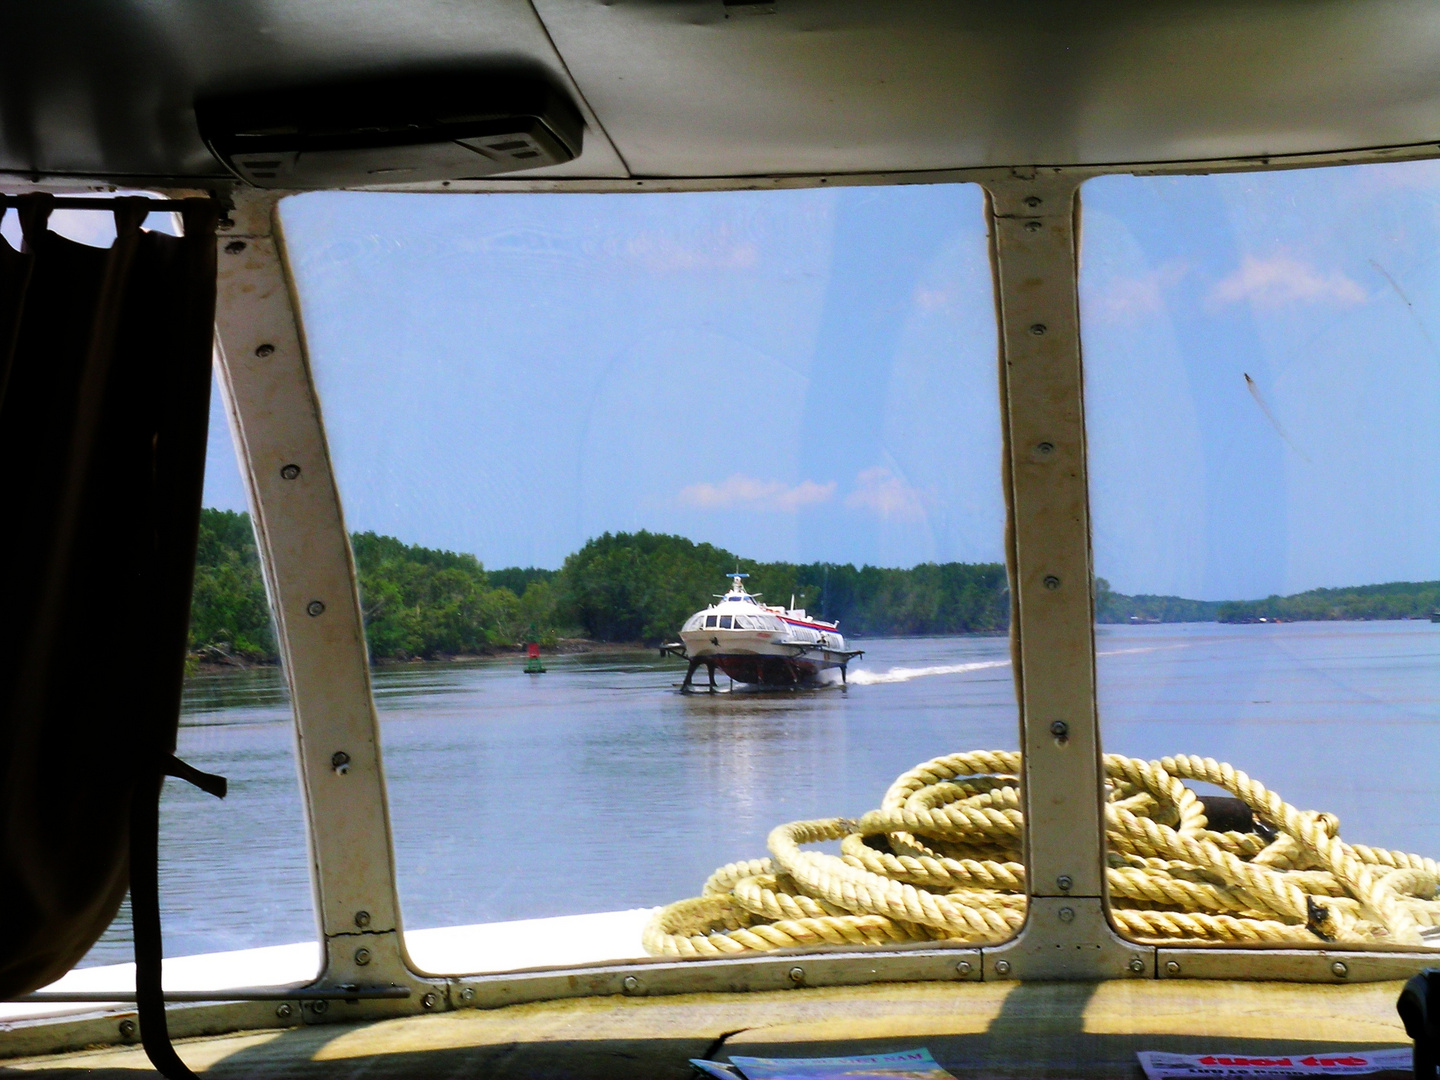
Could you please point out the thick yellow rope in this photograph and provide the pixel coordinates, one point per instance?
(940, 860)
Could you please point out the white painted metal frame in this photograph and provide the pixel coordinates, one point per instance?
(1035, 244)
(1033, 231)
(310, 576)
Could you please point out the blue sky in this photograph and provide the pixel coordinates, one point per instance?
(1321, 285)
(792, 375)
(811, 375)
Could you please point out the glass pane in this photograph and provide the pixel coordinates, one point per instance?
(1262, 387)
(234, 873)
(512, 385)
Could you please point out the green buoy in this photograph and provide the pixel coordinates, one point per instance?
(532, 660)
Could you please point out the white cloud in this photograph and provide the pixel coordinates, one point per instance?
(1123, 298)
(740, 492)
(1281, 279)
(887, 496)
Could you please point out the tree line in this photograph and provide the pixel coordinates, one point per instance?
(1393, 600)
(421, 602)
(1113, 607)
(416, 601)
(642, 586)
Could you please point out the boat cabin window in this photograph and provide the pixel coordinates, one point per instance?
(507, 382)
(1262, 387)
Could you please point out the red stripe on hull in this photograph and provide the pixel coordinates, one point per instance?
(809, 625)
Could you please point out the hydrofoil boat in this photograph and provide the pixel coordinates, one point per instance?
(761, 644)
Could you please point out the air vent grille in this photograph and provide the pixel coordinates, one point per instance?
(396, 130)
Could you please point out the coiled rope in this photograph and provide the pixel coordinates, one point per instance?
(940, 860)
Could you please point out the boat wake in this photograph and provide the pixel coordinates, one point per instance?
(862, 677)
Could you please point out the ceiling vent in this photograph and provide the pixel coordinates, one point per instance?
(365, 133)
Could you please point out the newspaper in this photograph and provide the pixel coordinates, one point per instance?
(919, 1065)
(904, 1065)
(1237, 1066)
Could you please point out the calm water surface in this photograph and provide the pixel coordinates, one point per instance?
(597, 787)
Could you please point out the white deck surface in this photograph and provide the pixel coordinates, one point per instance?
(449, 950)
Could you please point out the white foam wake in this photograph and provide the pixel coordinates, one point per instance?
(1146, 648)
(863, 677)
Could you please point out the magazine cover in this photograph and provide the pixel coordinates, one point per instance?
(903, 1065)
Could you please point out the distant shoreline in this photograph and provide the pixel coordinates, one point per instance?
(1397, 600)
(200, 665)
(626, 588)
(211, 664)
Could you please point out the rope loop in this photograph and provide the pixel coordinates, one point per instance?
(941, 859)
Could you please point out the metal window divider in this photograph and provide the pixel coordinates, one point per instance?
(264, 374)
(1033, 220)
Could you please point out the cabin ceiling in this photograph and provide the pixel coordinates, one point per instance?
(100, 91)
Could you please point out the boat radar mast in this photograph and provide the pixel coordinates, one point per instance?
(737, 580)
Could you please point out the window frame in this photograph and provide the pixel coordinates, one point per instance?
(1033, 217)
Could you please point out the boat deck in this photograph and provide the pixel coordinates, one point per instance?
(991, 1030)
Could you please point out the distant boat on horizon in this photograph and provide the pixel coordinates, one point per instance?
(761, 644)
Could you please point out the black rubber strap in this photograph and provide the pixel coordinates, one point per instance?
(206, 782)
(145, 911)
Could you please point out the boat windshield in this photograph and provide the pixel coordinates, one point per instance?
(509, 383)
(1262, 371)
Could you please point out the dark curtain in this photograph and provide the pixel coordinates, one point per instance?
(104, 400)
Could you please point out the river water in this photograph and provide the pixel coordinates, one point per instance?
(598, 787)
